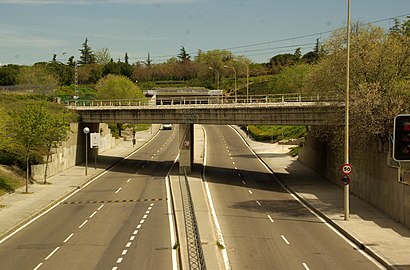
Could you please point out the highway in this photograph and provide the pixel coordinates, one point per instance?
(121, 219)
(118, 221)
(263, 226)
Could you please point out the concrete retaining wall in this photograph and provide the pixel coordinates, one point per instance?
(71, 152)
(372, 178)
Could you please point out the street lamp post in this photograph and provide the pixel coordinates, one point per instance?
(247, 78)
(346, 187)
(86, 130)
(217, 77)
(236, 92)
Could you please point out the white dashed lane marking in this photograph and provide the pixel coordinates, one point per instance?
(52, 253)
(68, 238)
(133, 236)
(82, 224)
(284, 239)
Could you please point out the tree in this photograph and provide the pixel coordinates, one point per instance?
(102, 56)
(9, 74)
(183, 55)
(29, 125)
(298, 54)
(4, 132)
(279, 61)
(291, 79)
(117, 87)
(87, 55)
(58, 126)
(39, 78)
(149, 60)
(126, 58)
(380, 89)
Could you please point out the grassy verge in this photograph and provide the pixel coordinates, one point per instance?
(9, 181)
(273, 134)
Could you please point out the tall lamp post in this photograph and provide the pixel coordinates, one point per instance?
(346, 187)
(236, 92)
(86, 130)
(247, 78)
(217, 77)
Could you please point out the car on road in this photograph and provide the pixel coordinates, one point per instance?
(166, 126)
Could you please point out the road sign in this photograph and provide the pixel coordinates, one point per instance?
(345, 180)
(94, 140)
(347, 169)
(186, 143)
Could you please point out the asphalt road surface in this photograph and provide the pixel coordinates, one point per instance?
(263, 226)
(119, 221)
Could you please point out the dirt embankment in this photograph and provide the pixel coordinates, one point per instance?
(11, 178)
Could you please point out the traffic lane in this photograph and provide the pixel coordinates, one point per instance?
(125, 230)
(294, 216)
(248, 238)
(29, 247)
(105, 243)
(36, 243)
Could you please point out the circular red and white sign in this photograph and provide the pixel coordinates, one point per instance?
(346, 169)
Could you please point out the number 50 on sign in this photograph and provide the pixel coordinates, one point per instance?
(346, 169)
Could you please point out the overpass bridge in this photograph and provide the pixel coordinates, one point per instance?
(220, 110)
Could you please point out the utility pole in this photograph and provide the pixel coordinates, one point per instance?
(346, 187)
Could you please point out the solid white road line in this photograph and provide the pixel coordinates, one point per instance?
(225, 257)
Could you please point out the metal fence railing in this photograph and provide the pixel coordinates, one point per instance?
(201, 100)
(196, 259)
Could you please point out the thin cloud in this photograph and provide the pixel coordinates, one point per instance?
(97, 2)
(19, 39)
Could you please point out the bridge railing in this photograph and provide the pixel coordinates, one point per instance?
(200, 100)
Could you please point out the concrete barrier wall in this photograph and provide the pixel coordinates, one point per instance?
(373, 180)
(71, 152)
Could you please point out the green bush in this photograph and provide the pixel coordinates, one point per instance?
(265, 133)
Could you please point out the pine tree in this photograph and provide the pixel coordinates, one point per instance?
(183, 55)
(126, 58)
(87, 54)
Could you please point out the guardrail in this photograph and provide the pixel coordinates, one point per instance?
(200, 100)
(196, 258)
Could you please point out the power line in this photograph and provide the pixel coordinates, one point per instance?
(268, 43)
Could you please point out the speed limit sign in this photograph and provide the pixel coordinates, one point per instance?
(346, 169)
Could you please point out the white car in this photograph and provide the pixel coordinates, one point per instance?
(166, 126)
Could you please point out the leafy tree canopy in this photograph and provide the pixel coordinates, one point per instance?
(117, 87)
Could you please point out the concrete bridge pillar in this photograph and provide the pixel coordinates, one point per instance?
(186, 147)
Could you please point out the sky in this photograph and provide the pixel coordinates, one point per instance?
(33, 30)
